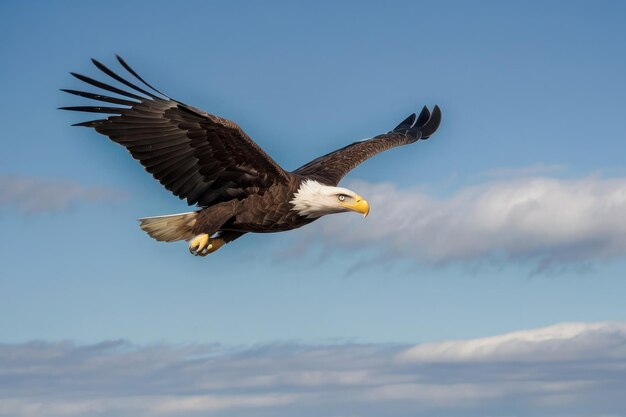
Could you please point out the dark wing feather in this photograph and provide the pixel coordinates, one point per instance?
(331, 168)
(197, 156)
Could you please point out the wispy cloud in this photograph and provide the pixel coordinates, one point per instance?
(35, 195)
(547, 221)
(561, 342)
(573, 369)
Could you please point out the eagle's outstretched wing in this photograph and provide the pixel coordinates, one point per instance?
(330, 168)
(197, 156)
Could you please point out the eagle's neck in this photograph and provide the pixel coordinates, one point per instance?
(310, 199)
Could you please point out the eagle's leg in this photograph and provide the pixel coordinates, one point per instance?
(208, 223)
(203, 244)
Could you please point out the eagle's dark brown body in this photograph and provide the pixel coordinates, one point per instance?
(213, 164)
(267, 211)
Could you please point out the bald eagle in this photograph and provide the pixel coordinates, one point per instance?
(214, 165)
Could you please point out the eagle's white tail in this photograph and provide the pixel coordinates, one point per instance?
(170, 228)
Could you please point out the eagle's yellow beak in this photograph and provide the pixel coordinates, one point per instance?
(360, 206)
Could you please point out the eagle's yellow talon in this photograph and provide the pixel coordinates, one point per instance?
(202, 245)
(198, 243)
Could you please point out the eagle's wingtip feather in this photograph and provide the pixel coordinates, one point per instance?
(431, 126)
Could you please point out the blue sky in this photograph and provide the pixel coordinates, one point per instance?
(509, 218)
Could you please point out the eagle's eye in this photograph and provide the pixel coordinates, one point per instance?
(342, 197)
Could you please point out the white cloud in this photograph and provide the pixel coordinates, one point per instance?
(561, 342)
(142, 405)
(202, 403)
(573, 369)
(36, 195)
(548, 221)
(450, 395)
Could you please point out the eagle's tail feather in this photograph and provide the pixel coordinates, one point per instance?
(170, 228)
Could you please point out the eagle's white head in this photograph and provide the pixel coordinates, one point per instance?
(314, 199)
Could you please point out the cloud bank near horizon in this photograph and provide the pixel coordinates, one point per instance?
(545, 221)
(519, 373)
